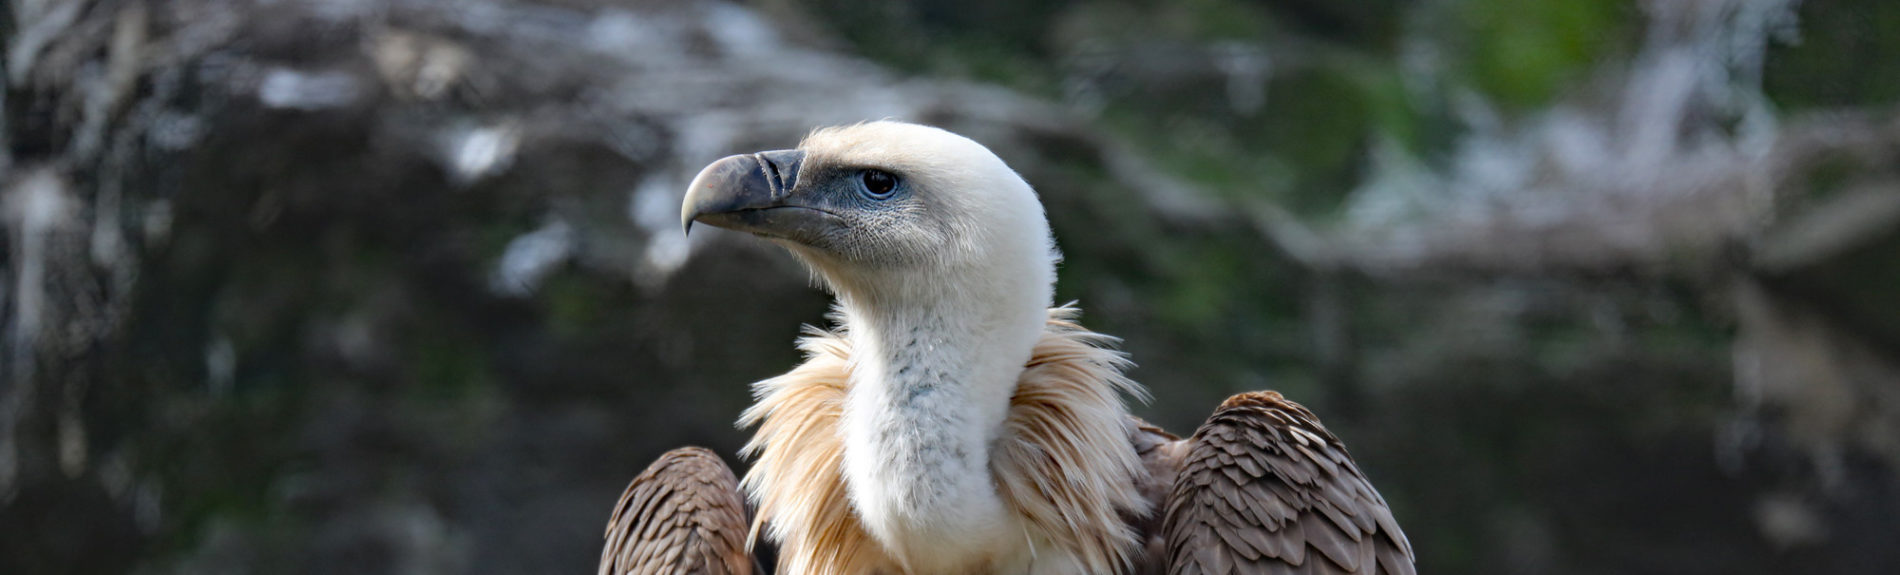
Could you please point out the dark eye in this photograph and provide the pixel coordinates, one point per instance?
(879, 184)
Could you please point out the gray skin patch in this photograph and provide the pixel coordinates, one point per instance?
(895, 231)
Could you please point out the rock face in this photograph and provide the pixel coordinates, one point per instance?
(398, 287)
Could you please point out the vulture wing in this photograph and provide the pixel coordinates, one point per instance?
(1264, 488)
(1161, 455)
(684, 514)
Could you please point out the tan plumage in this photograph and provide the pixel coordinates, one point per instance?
(796, 457)
(1063, 461)
(1264, 488)
(684, 514)
(952, 423)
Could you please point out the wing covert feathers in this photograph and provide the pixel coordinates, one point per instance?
(684, 514)
(1161, 454)
(1264, 488)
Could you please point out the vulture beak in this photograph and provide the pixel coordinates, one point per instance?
(754, 193)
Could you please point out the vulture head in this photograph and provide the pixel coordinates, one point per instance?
(889, 214)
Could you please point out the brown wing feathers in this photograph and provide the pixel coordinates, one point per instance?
(1161, 456)
(684, 514)
(1264, 488)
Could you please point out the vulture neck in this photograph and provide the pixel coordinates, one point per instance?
(935, 364)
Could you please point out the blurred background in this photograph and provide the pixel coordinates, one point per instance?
(360, 286)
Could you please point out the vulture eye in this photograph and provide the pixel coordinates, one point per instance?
(878, 184)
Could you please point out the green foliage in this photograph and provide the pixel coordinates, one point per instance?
(1323, 100)
(1523, 53)
(1213, 20)
(1844, 56)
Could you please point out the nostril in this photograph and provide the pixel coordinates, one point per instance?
(771, 174)
(781, 169)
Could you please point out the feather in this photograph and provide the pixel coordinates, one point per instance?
(944, 292)
(684, 514)
(1223, 516)
(1064, 462)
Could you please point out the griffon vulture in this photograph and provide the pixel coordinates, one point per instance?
(954, 423)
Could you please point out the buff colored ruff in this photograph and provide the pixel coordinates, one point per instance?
(1063, 465)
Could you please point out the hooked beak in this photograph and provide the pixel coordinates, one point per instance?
(753, 193)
